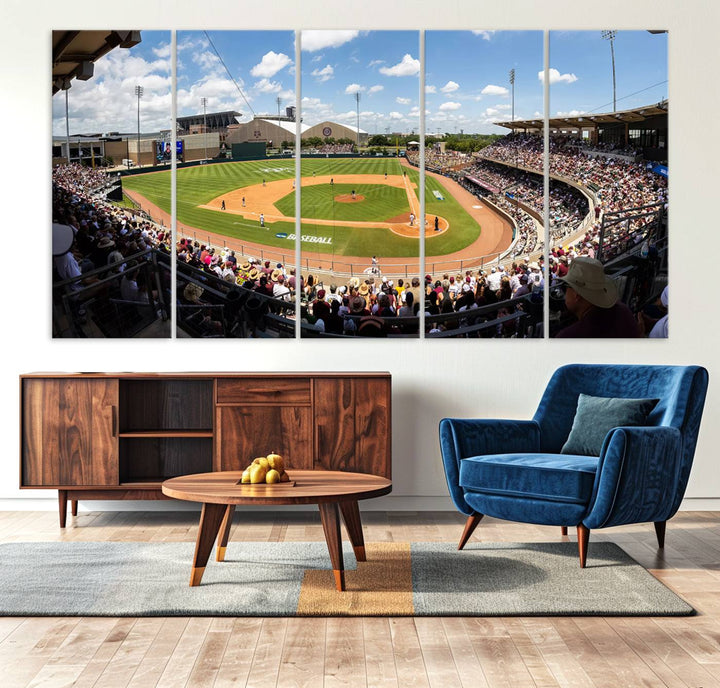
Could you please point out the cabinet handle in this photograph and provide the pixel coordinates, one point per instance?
(113, 413)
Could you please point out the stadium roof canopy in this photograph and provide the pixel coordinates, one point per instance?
(75, 52)
(287, 126)
(590, 120)
(213, 119)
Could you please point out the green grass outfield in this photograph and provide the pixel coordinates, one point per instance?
(200, 184)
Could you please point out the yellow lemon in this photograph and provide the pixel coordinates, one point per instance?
(262, 461)
(272, 476)
(257, 473)
(245, 476)
(276, 462)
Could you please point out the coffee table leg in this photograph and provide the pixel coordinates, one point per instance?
(331, 525)
(224, 534)
(353, 525)
(210, 519)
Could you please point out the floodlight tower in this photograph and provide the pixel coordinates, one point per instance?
(512, 84)
(139, 90)
(357, 100)
(203, 100)
(609, 35)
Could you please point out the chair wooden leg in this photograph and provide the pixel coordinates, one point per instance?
(583, 536)
(660, 532)
(563, 530)
(470, 525)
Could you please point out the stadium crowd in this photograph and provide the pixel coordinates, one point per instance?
(103, 234)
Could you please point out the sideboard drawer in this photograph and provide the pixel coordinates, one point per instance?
(276, 391)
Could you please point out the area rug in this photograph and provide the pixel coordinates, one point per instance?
(294, 578)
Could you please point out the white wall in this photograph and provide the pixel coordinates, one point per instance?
(499, 378)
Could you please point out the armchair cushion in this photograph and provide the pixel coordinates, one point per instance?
(548, 477)
(596, 416)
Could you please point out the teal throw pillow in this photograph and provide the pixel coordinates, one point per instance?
(596, 416)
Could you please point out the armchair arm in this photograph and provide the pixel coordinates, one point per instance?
(461, 438)
(637, 478)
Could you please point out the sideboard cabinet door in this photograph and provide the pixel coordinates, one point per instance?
(69, 432)
(352, 425)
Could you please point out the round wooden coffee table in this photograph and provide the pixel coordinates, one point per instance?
(335, 493)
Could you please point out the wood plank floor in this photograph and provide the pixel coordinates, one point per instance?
(373, 652)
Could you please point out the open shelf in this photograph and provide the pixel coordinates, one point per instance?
(166, 433)
(165, 405)
(157, 458)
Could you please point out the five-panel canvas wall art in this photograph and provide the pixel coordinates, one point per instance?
(342, 183)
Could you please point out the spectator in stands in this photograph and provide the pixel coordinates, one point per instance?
(591, 296)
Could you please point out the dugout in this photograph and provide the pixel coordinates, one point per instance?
(251, 150)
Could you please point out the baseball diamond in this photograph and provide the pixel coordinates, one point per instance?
(351, 209)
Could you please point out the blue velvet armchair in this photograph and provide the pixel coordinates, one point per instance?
(515, 470)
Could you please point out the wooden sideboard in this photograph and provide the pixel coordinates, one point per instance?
(119, 435)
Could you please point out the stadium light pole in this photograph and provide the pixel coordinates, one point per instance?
(609, 35)
(357, 100)
(512, 84)
(139, 93)
(203, 100)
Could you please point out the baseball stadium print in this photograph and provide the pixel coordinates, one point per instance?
(483, 242)
(360, 197)
(111, 118)
(512, 248)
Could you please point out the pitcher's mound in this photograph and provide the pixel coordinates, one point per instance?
(347, 198)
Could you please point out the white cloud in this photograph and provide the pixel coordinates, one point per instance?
(354, 88)
(267, 86)
(271, 64)
(395, 115)
(450, 87)
(503, 106)
(317, 40)
(162, 51)
(375, 63)
(107, 102)
(493, 90)
(403, 101)
(317, 58)
(324, 74)
(449, 106)
(485, 35)
(556, 77)
(375, 89)
(571, 113)
(408, 66)
(430, 89)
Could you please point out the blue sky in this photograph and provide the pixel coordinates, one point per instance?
(467, 79)
(107, 101)
(641, 70)
(261, 63)
(468, 72)
(383, 66)
(467, 85)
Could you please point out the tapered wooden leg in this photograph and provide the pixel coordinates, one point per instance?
(660, 532)
(330, 517)
(563, 530)
(224, 534)
(470, 525)
(351, 515)
(583, 535)
(73, 507)
(62, 506)
(210, 519)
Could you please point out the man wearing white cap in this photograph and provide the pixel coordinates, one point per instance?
(591, 296)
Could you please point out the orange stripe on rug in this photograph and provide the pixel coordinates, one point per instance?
(381, 586)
